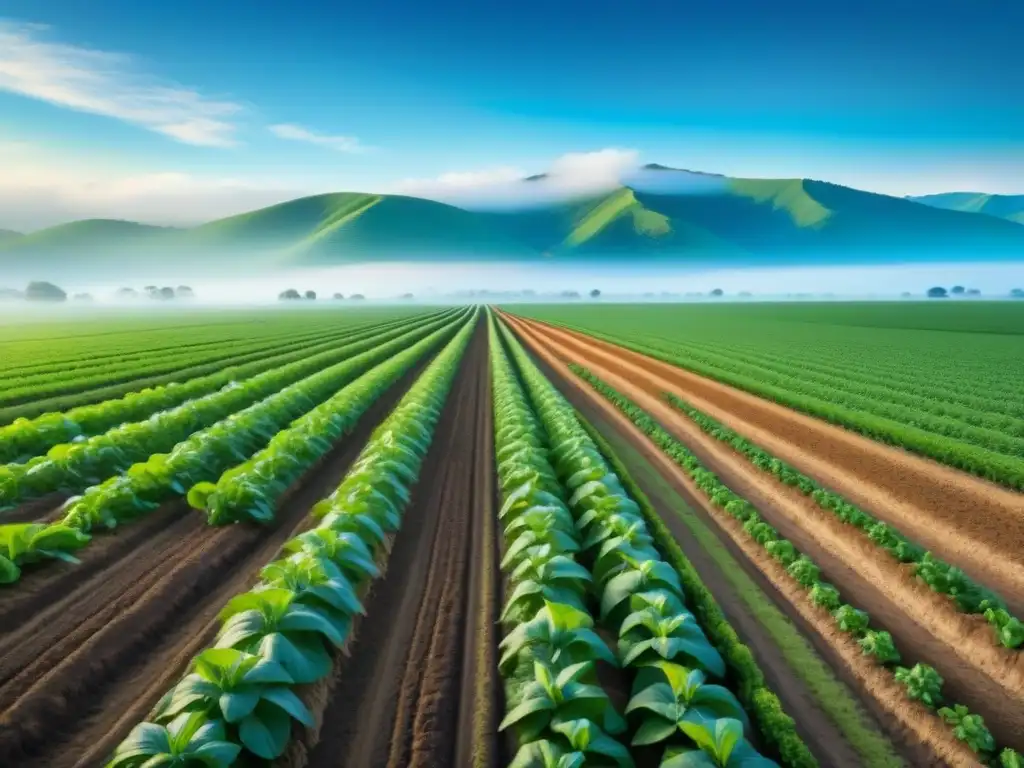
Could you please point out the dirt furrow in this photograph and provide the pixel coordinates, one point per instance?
(964, 520)
(907, 722)
(394, 700)
(122, 637)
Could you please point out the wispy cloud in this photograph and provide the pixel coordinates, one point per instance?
(293, 132)
(109, 84)
(575, 174)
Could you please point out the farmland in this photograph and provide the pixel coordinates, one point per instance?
(742, 535)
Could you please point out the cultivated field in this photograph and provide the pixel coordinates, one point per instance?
(534, 536)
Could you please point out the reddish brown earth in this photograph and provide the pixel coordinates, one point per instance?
(910, 725)
(86, 651)
(407, 693)
(962, 519)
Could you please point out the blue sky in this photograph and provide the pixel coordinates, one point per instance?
(179, 111)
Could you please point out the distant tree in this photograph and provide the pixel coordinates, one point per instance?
(408, 296)
(957, 290)
(717, 292)
(149, 288)
(82, 297)
(184, 292)
(973, 292)
(338, 296)
(357, 297)
(746, 294)
(309, 295)
(595, 293)
(1017, 293)
(289, 295)
(570, 294)
(8, 294)
(937, 293)
(906, 294)
(43, 291)
(127, 293)
(165, 294)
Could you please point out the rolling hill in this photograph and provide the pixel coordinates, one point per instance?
(8, 235)
(659, 215)
(1002, 206)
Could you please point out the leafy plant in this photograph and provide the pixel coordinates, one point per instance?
(879, 645)
(559, 635)
(720, 743)
(968, 728)
(190, 739)
(667, 695)
(23, 543)
(553, 698)
(922, 682)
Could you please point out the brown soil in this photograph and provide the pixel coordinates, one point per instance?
(964, 520)
(909, 724)
(94, 646)
(405, 695)
(41, 510)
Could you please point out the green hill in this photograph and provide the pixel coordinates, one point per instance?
(8, 235)
(1002, 206)
(659, 216)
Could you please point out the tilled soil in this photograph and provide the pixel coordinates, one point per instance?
(908, 724)
(86, 651)
(405, 695)
(964, 520)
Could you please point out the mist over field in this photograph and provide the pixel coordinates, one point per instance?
(624, 281)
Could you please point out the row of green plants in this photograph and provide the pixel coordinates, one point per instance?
(250, 491)
(74, 466)
(676, 703)
(112, 390)
(118, 372)
(941, 577)
(777, 729)
(921, 682)
(556, 706)
(26, 438)
(977, 408)
(879, 399)
(896, 427)
(238, 700)
(201, 457)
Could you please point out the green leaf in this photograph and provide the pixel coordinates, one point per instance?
(265, 733)
(286, 699)
(236, 705)
(198, 496)
(654, 730)
(304, 658)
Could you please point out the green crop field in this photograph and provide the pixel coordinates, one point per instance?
(458, 537)
(945, 380)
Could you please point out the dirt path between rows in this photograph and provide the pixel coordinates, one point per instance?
(908, 724)
(964, 520)
(400, 698)
(96, 645)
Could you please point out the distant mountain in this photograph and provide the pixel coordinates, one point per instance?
(1002, 206)
(658, 216)
(7, 235)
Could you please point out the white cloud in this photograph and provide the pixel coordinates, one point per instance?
(293, 132)
(456, 181)
(40, 187)
(104, 83)
(571, 175)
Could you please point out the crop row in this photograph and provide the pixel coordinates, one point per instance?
(968, 596)
(47, 386)
(240, 366)
(896, 430)
(194, 341)
(966, 401)
(27, 438)
(921, 682)
(77, 465)
(239, 698)
(203, 456)
(249, 491)
(996, 433)
(607, 555)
